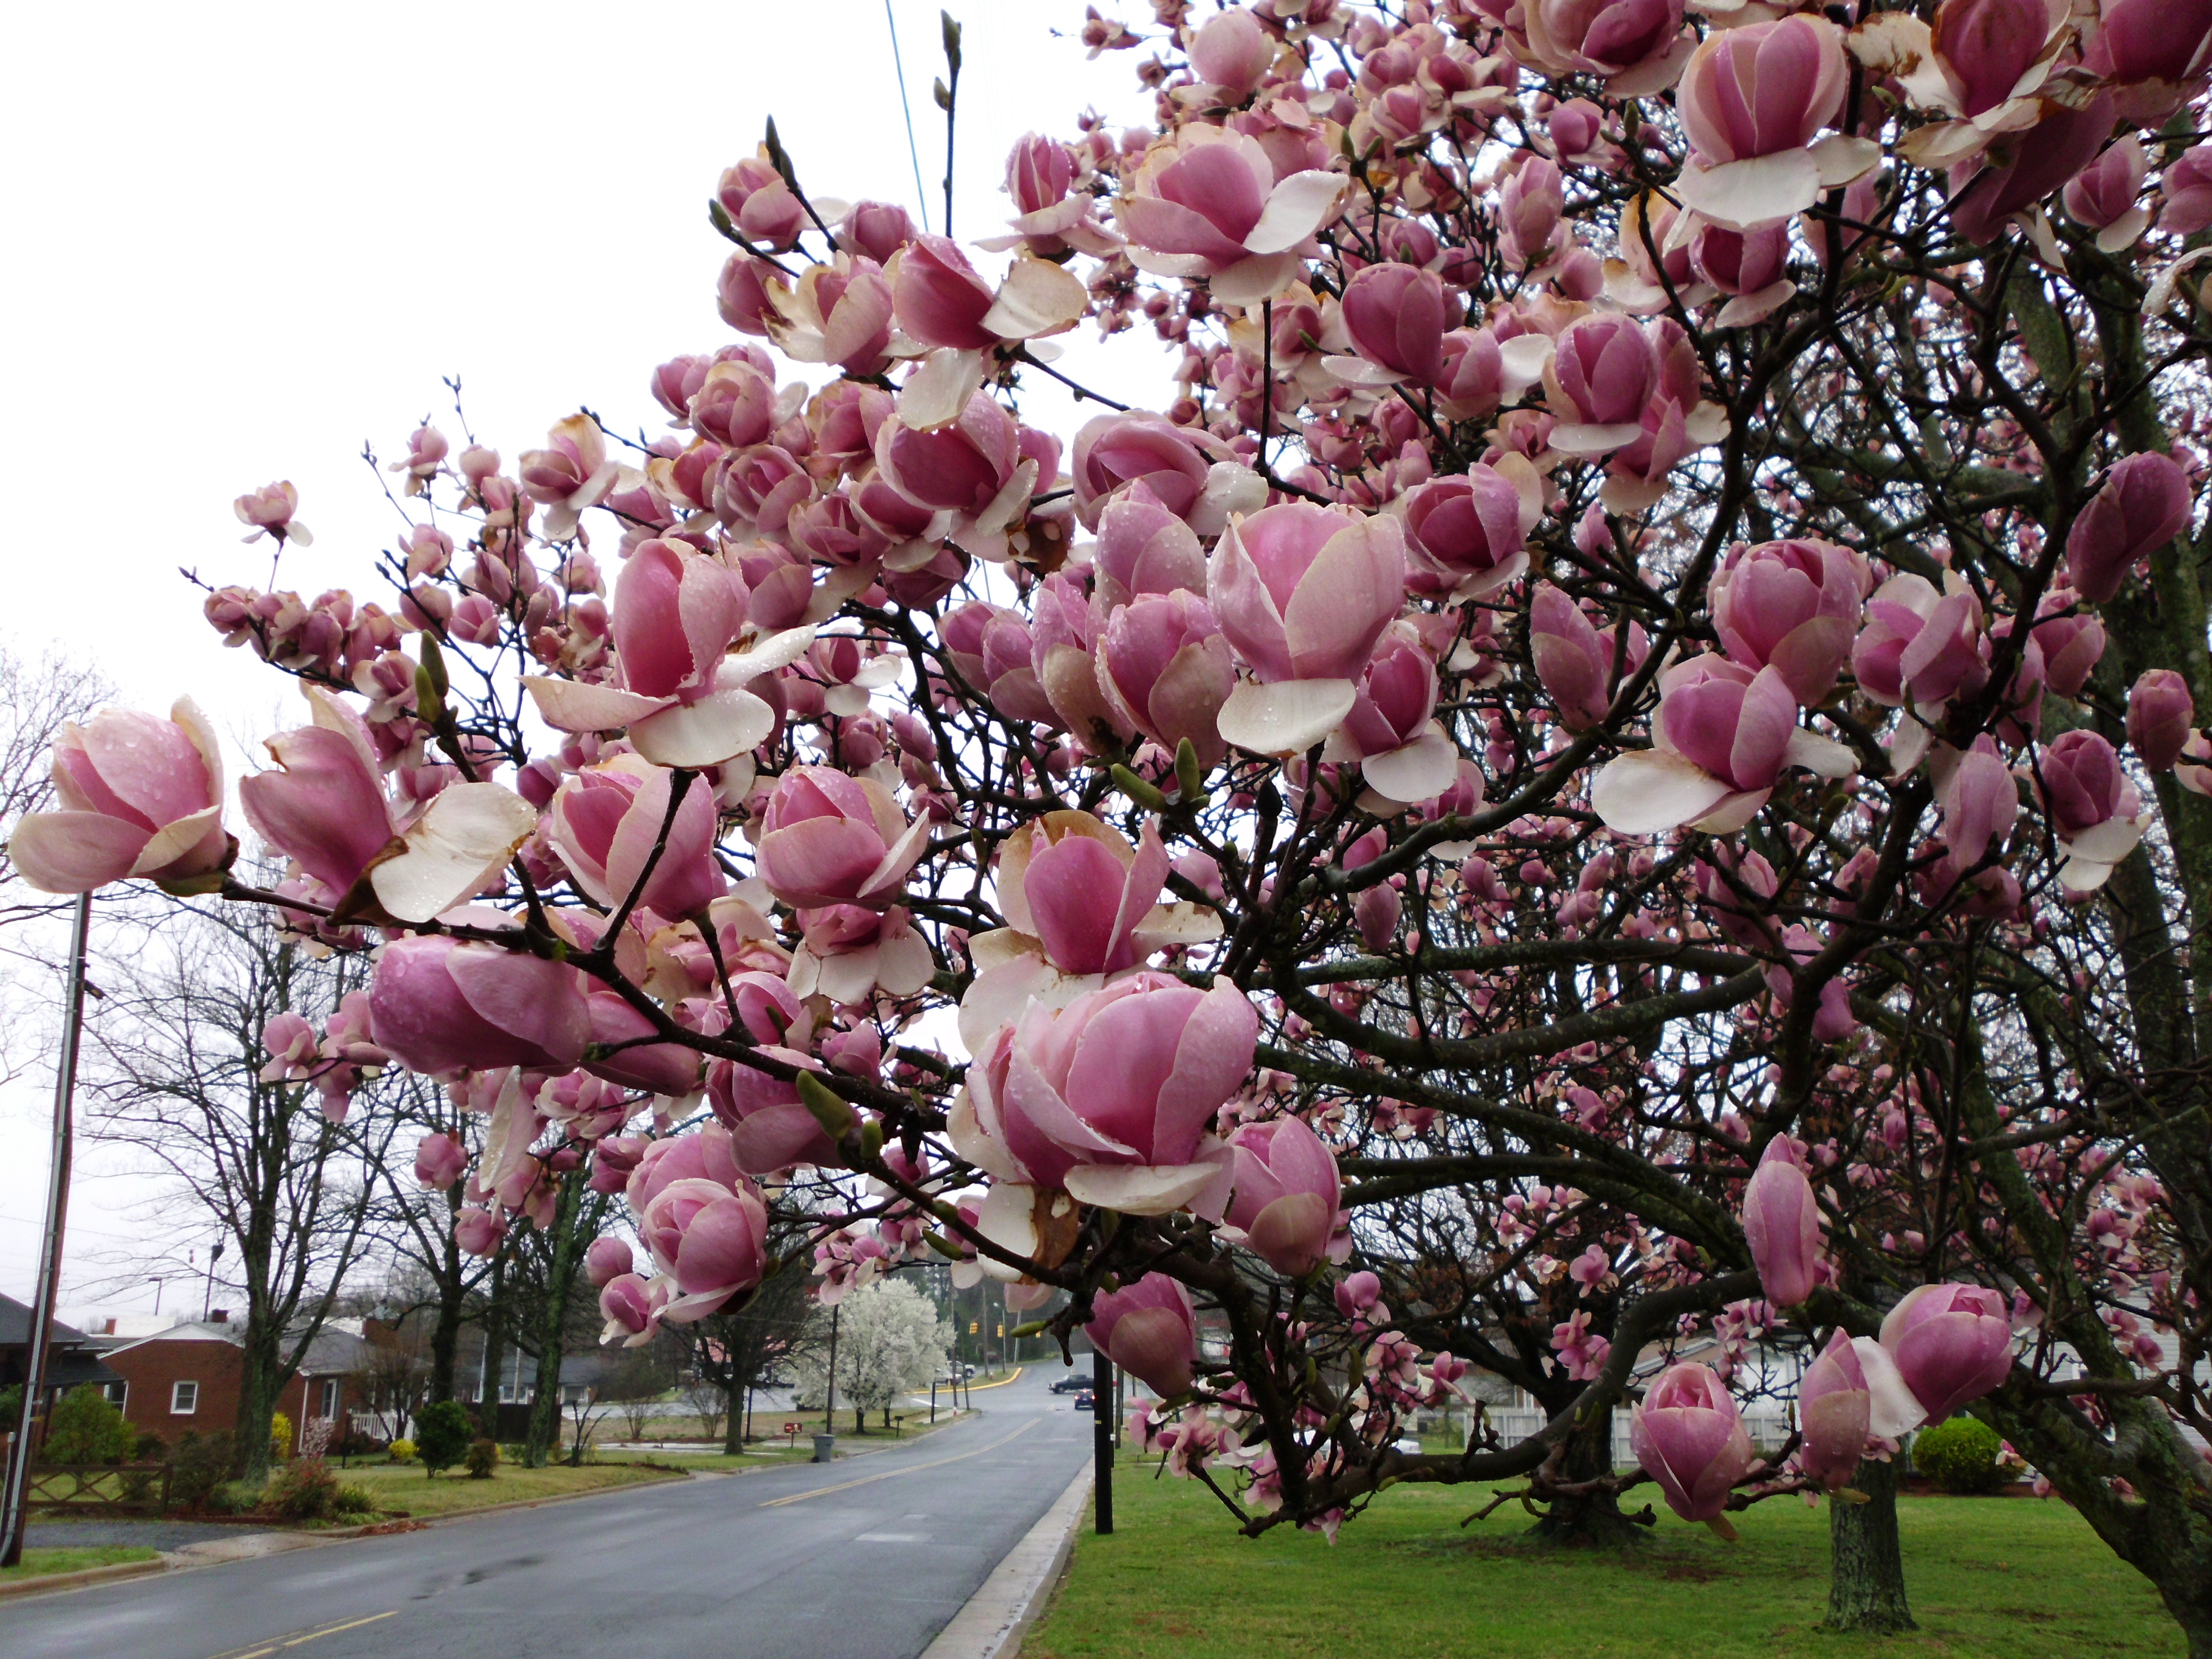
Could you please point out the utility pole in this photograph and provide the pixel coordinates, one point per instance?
(207, 1303)
(50, 1250)
(1102, 1437)
(829, 1413)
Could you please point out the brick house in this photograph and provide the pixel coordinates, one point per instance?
(186, 1380)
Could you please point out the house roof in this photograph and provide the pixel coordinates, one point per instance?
(196, 1332)
(15, 1326)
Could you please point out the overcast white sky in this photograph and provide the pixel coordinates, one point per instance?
(249, 237)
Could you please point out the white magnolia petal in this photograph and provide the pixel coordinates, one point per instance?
(1138, 1188)
(1523, 359)
(1844, 159)
(1037, 297)
(707, 732)
(1892, 1410)
(572, 706)
(1421, 770)
(1298, 207)
(1593, 439)
(965, 1131)
(1748, 308)
(461, 842)
(1251, 280)
(2164, 285)
(1647, 791)
(1757, 191)
(1286, 718)
(2105, 843)
(2123, 231)
(935, 394)
(1009, 1221)
(1180, 922)
(1357, 371)
(1737, 808)
(765, 656)
(1824, 755)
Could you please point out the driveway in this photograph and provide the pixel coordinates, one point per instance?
(861, 1559)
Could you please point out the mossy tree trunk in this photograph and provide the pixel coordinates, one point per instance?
(1866, 1587)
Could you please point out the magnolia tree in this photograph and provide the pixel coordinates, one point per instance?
(1620, 737)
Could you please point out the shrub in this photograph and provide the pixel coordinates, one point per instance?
(198, 1466)
(84, 1427)
(354, 1500)
(515, 1452)
(303, 1490)
(280, 1436)
(1960, 1456)
(234, 1498)
(483, 1459)
(150, 1449)
(401, 1451)
(443, 1433)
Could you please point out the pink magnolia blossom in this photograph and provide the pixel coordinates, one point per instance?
(1951, 1343)
(770, 1130)
(140, 796)
(1782, 1224)
(1572, 659)
(604, 822)
(762, 206)
(2102, 197)
(1833, 1412)
(572, 472)
(268, 510)
(2160, 715)
(1144, 548)
(710, 1237)
(1395, 317)
(1149, 1330)
(1232, 52)
(1304, 592)
(828, 838)
(1530, 203)
(607, 1258)
(1979, 798)
(438, 1005)
(1084, 895)
(1279, 1188)
(1796, 605)
(1163, 669)
(1721, 740)
(1638, 46)
(479, 1233)
(2092, 806)
(2033, 165)
(323, 805)
(1206, 202)
(1920, 645)
(440, 1161)
(1111, 1096)
(2144, 504)
(1751, 99)
(631, 1306)
(1187, 470)
(1471, 529)
(1689, 1438)
(2186, 185)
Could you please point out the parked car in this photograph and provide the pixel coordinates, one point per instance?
(1086, 1401)
(1407, 1443)
(1073, 1382)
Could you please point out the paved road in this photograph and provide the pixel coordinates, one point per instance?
(864, 1558)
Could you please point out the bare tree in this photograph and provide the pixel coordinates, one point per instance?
(176, 1062)
(736, 1353)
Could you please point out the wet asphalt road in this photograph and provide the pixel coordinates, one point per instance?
(864, 1558)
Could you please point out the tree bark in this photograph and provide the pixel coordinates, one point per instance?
(261, 1381)
(494, 1351)
(733, 1431)
(553, 1321)
(1592, 1520)
(1866, 1585)
(445, 1333)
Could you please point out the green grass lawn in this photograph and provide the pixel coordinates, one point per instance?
(1989, 1578)
(37, 1563)
(405, 1486)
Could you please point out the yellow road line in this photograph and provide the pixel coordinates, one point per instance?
(282, 1642)
(911, 1469)
(1012, 1377)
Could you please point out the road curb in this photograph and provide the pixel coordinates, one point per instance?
(62, 1581)
(993, 1621)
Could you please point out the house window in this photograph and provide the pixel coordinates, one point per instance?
(119, 1394)
(330, 1407)
(184, 1399)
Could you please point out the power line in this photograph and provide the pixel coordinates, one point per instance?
(912, 154)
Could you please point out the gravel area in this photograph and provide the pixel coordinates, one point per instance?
(141, 1535)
